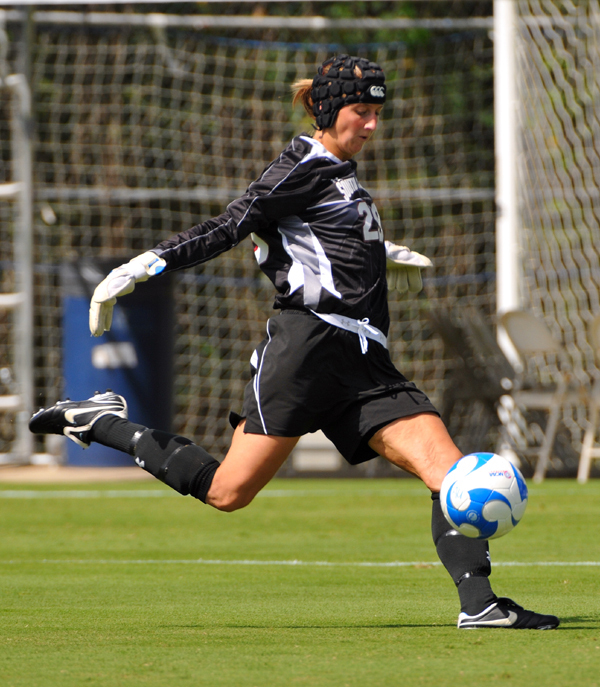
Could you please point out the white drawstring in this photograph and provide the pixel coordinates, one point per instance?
(363, 328)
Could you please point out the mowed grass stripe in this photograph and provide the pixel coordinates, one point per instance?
(334, 584)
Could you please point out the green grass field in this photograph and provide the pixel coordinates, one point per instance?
(134, 585)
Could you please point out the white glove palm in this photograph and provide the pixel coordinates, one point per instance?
(120, 282)
(404, 268)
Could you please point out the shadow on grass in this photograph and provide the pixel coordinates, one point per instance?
(395, 626)
(575, 623)
(566, 624)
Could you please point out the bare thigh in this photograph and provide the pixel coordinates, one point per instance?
(419, 444)
(250, 464)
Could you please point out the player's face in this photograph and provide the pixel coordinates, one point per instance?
(353, 127)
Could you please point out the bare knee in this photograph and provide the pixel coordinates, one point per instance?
(228, 504)
(249, 465)
(228, 500)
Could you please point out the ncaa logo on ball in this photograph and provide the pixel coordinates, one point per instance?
(501, 473)
(472, 516)
(377, 91)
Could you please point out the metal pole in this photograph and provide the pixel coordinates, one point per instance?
(22, 173)
(201, 22)
(508, 268)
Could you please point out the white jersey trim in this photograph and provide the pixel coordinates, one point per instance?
(310, 268)
(318, 150)
(324, 267)
(332, 202)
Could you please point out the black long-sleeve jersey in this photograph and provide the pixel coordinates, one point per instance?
(316, 232)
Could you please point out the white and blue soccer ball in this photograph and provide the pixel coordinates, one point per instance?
(483, 496)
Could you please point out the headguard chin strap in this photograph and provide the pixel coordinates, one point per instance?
(340, 86)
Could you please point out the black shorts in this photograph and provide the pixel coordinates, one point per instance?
(309, 375)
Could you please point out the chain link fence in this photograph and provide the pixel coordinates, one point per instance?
(143, 132)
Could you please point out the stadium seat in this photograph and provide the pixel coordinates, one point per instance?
(479, 377)
(531, 337)
(590, 450)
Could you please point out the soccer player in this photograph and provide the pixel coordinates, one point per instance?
(324, 362)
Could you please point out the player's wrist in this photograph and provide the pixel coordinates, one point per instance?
(146, 265)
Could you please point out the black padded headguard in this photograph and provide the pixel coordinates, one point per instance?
(340, 86)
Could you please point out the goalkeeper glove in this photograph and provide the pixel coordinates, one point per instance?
(120, 282)
(404, 268)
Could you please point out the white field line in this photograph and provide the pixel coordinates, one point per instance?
(297, 563)
(158, 493)
(85, 494)
(267, 493)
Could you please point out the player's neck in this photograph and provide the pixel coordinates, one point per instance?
(330, 144)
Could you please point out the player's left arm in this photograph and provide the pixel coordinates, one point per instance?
(403, 268)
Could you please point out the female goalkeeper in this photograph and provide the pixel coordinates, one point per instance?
(324, 363)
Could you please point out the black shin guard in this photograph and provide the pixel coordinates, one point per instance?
(176, 461)
(115, 432)
(467, 560)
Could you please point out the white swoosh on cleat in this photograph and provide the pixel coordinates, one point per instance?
(72, 414)
(505, 622)
(498, 622)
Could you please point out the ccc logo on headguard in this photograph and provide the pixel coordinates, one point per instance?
(377, 91)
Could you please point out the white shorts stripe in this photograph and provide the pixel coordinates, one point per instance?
(256, 382)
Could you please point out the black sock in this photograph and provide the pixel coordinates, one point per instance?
(115, 432)
(467, 560)
(475, 594)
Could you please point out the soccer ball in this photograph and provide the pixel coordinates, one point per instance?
(483, 496)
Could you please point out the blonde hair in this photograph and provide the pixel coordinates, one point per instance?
(302, 89)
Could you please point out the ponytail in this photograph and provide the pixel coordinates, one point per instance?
(301, 91)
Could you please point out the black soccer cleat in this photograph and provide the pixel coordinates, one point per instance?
(74, 419)
(506, 613)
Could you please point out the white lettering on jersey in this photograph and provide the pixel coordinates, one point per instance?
(347, 187)
(372, 230)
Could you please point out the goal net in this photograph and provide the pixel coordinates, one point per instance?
(141, 133)
(558, 63)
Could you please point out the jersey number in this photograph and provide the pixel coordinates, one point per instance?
(372, 230)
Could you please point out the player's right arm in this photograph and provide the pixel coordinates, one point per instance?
(198, 244)
(284, 188)
(120, 282)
